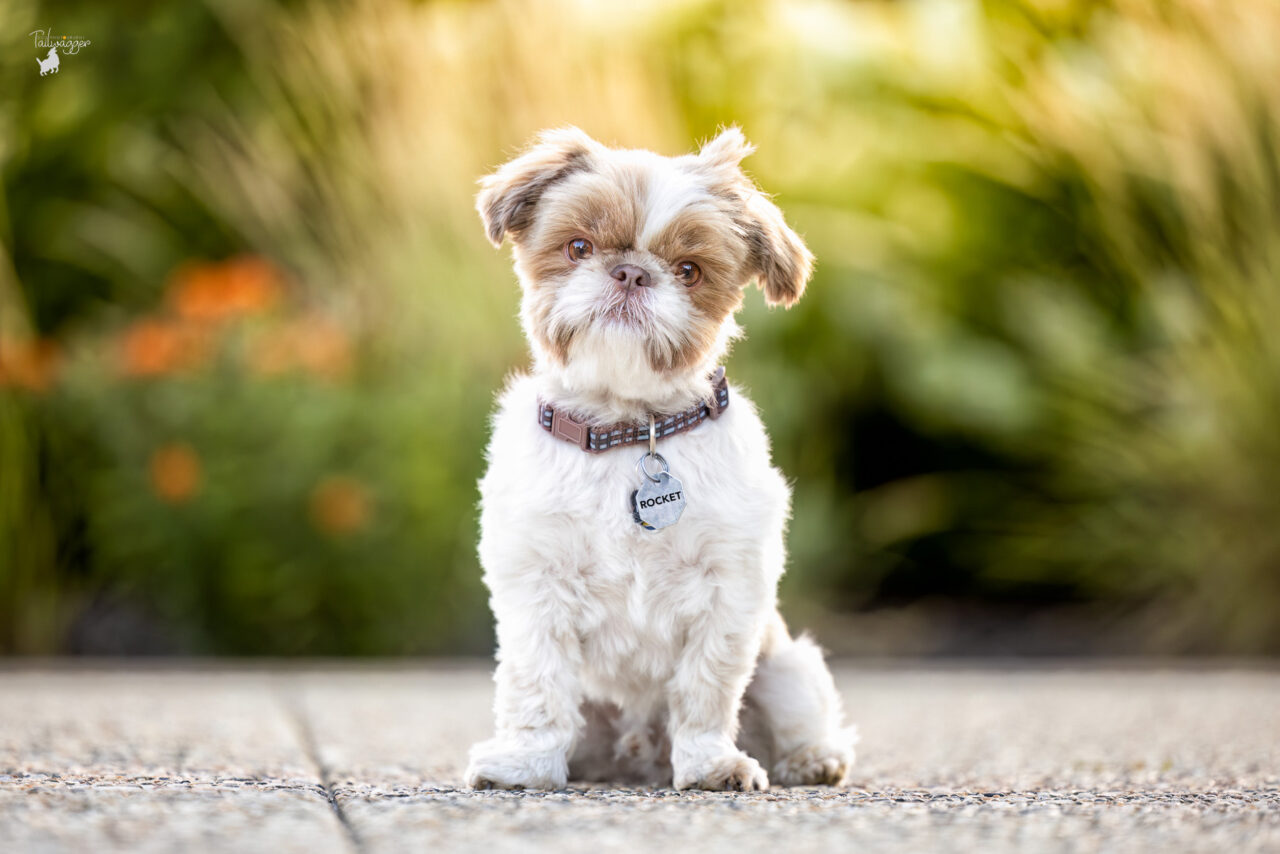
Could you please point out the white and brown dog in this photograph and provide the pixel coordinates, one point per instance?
(630, 651)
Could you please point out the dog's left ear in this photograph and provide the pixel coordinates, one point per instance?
(507, 197)
(778, 257)
(781, 261)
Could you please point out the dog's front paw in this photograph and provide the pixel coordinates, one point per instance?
(498, 765)
(815, 765)
(735, 772)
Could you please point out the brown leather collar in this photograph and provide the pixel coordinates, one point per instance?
(596, 440)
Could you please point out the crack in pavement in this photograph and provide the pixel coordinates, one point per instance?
(306, 738)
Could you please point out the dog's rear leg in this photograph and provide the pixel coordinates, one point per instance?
(795, 697)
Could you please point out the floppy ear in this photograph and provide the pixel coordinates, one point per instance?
(778, 257)
(508, 196)
(781, 261)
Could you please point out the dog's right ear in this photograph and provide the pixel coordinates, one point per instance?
(507, 197)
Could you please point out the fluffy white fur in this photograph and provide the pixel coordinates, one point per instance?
(627, 654)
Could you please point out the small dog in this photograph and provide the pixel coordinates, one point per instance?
(635, 593)
(49, 65)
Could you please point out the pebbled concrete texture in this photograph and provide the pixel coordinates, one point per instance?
(355, 758)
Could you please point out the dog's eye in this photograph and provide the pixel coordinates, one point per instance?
(578, 249)
(689, 273)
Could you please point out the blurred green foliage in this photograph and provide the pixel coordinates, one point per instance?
(251, 328)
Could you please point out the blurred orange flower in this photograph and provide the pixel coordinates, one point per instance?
(340, 505)
(150, 347)
(313, 343)
(175, 472)
(31, 364)
(323, 347)
(215, 291)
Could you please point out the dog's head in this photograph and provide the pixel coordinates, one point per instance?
(631, 261)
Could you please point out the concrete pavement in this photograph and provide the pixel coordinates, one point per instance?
(368, 758)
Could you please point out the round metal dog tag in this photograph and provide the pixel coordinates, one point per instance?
(659, 501)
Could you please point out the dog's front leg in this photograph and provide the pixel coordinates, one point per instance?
(537, 711)
(705, 695)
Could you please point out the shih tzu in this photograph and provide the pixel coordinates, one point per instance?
(632, 520)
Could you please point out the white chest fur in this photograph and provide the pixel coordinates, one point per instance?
(560, 546)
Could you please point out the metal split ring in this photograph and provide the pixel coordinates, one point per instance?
(644, 469)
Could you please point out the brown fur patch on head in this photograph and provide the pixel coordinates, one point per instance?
(604, 206)
(705, 234)
(711, 241)
(508, 197)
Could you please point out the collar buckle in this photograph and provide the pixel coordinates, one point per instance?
(564, 427)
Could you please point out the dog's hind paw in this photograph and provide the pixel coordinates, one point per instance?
(815, 765)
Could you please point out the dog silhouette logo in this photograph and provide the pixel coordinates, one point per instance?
(58, 47)
(49, 65)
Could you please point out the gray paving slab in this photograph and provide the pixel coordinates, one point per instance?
(1097, 728)
(989, 758)
(157, 761)
(369, 758)
(396, 727)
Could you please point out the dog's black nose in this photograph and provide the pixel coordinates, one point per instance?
(629, 275)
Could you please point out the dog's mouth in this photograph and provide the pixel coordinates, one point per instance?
(626, 307)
